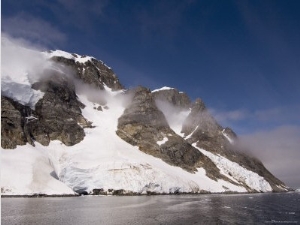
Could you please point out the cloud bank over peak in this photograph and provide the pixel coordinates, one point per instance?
(279, 150)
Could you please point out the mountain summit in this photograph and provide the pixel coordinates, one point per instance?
(70, 126)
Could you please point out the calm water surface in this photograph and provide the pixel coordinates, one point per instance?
(144, 210)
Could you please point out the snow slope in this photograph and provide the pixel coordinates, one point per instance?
(27, 170)
(101, 160)
(237, 173)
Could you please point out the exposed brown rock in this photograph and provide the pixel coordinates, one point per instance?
(92, 72)
(173, 97)
(12, 123)
(143, 125)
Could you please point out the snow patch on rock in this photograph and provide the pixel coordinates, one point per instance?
(162, 89)
(163, 141)
(227, 137)
(78, 58)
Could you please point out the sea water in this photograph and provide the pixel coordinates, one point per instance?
(272, 208)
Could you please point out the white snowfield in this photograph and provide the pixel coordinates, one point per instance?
(67, 55)
(78, 58)
(237, 173)
(102, 159)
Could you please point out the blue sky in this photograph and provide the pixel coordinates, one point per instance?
(241, 57)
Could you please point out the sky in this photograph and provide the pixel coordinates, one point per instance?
(242, 58)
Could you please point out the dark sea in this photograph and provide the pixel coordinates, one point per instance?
(148, 210)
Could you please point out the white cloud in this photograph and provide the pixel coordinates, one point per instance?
(281, 114)
(276, 116)
(279, 150)
(21, 66)
(32, 29)
(228, 116)
(20, 57)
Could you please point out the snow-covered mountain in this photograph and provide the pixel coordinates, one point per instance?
(68, 125)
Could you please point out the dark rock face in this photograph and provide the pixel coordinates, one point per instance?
(143, 125)
(174, 97)
(57, 116)
(202, 128)
(230, 133)
(59, 112)
(12, 123)
(92, 72)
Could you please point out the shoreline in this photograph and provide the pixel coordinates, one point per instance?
(135, 194)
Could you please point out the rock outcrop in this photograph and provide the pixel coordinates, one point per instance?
(92, 72)
(57, 116)
(174, 97)
(202, 128)
(12, 123)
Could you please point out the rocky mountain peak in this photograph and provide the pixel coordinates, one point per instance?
(144, 125)
(143, 110)
(57, 116)
(173, 97)
(198, 105)
(200, 120)
(89, 70)
(229, 134)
